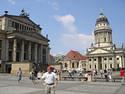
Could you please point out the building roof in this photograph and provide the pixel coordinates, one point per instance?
(23, 19)
(75, 55)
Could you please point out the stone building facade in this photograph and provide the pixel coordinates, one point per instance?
(21, 41)
(104, 54)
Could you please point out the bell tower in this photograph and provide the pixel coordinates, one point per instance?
(102, 32)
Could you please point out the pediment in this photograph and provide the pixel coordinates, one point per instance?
(99, 51)
(24, 20)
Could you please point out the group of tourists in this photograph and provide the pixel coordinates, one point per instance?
(108, 74)
(93, 75)
(49, 79)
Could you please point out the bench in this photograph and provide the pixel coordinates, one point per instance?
(99, 78)
(73, 77)
(116, 78)
(113, 78)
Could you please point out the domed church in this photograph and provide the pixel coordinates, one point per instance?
(103, 54)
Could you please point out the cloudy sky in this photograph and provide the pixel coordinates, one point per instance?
(70, 23)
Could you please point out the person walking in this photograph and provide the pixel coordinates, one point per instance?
(32, 76)
(51, 80)
(122, 74)
(101, 73)
(106, 75)
(19, 75)
(110, 74)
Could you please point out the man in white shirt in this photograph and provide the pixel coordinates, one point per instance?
(50, 80)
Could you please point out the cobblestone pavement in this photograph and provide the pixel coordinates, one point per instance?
(9, 85)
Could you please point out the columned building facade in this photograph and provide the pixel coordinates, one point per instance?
(103, 54)
(21, 41)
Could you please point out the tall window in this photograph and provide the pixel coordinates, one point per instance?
(13, 24)
(105, 66)
(17, 26)
(110, 65)
(95, 66)
(10, 56)
(90, 66)
(104, 39)
(72, 65)
(65, 65)
(117, 65)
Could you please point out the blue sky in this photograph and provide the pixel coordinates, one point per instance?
(70, 23)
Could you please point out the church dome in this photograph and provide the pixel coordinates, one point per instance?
(102, 18)
(102, 32)
(102, 22)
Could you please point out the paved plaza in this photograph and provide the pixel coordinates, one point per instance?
(9, 85)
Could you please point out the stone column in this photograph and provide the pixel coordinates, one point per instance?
(14, 49)
(122, 65)
(47, 54)
(7, 47)
(41, 54)
(70, 64)
(22, 51)
(76, 64)
(36, 46)
(115, 62)
(108, 63)
(112, 62)
(123, 60)
(93, 64)
(4, 54)
(29, 51)
(103, 63)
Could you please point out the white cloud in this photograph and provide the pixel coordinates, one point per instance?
(66, 19)
(68, 22)
(70, 37)
(13, 2)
